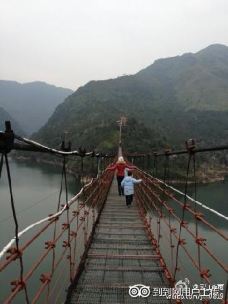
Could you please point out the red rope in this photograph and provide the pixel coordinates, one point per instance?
(95, 196)
(21, 282)
(151, 202)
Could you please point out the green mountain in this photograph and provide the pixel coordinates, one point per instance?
(5, 116)
(196, 81)
(170, 101)
(31, 104)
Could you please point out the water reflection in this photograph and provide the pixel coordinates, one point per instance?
(36, 191)
(213, 196)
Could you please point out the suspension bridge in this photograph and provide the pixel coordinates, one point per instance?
(93, 249)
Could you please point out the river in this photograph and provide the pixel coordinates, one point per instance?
(214, 196)
(36, 190)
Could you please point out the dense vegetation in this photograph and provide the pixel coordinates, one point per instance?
(31, 104)
(168, 102)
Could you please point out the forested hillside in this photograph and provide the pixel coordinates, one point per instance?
(31, 104)
(168, 102)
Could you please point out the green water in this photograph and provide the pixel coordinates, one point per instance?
(36, 191)
(214, 196)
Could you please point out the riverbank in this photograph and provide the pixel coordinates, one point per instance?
(203, 176)
(200, 179)
(81, 176)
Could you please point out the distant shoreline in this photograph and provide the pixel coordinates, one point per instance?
(219, 175)
(83, 178)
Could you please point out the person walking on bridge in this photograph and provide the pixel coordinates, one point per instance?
(128, 186)
(120, 166)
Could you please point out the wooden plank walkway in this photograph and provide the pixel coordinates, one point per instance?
(120, 256)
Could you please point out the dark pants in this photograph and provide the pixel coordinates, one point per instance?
(129, 199)
(119, 180)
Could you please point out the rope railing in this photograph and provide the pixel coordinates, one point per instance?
(77, 222)
(171, 152)
(41, 221)
(82, 209)
(8, 143)
(174, 225)
(178, 239)
(158, 182)
(42, 148)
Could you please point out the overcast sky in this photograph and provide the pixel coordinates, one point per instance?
(70, 42)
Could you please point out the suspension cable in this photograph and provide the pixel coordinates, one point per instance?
(195, 210)
(47, 149)
(194, 201)
(183, 214)
(55, 224)
(46, 219)
(23, 285)
(68, 219)
(188, 197)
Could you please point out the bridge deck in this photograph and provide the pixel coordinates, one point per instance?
(120, 256)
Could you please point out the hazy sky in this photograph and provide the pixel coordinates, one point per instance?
(70, 42)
